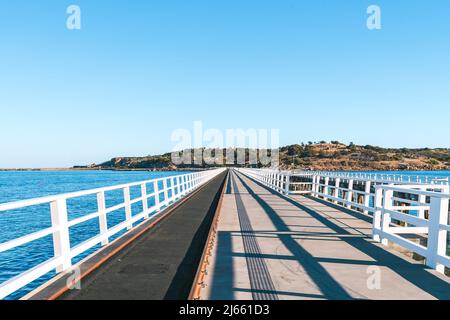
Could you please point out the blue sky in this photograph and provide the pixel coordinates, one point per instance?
(137, 70)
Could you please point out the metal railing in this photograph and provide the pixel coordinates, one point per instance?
(165, 191)
(398, 208)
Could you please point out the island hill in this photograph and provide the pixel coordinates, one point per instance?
(312, 156)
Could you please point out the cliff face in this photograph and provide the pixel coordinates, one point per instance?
(318, 156)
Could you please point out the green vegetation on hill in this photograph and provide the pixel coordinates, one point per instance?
(338, 156)
(315, 156)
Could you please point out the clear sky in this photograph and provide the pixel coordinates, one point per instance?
(137, 70)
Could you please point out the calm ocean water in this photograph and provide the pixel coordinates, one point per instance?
(19, 185)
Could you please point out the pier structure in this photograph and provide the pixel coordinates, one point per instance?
(155, 198)
(257, 234)
(280, 237)
(397, 206)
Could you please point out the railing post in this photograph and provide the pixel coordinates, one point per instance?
(314, 185)
(166, 194)
(275, 181)
(377, 214)
(422, 199)
(320, 187)
(127, 201)
(186, 184)
(189, 177)
(102, 220)
(325, 188)
(144, 199)
(183, 185)
(61, 237)
(178, 186)
(156, 192)
(386, 216)
(350, 193)
(287, 183)
(336, 190)
(172, 184)
(367, 196)
(437, 237)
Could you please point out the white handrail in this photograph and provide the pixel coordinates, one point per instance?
(390, 221)
(391, 204)
(380, 177)
(178, 185)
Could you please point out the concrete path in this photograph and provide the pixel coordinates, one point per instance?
(272, 247)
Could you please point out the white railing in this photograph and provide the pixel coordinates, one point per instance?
(430, 221)
(353, 193)
(381, 177)
(165, 191)
(397, 208)
(274, 179)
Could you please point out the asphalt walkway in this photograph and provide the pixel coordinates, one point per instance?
(161, 263)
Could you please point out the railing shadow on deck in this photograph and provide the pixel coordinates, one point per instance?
(329, 287)
(419, 275)
(355, 214)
